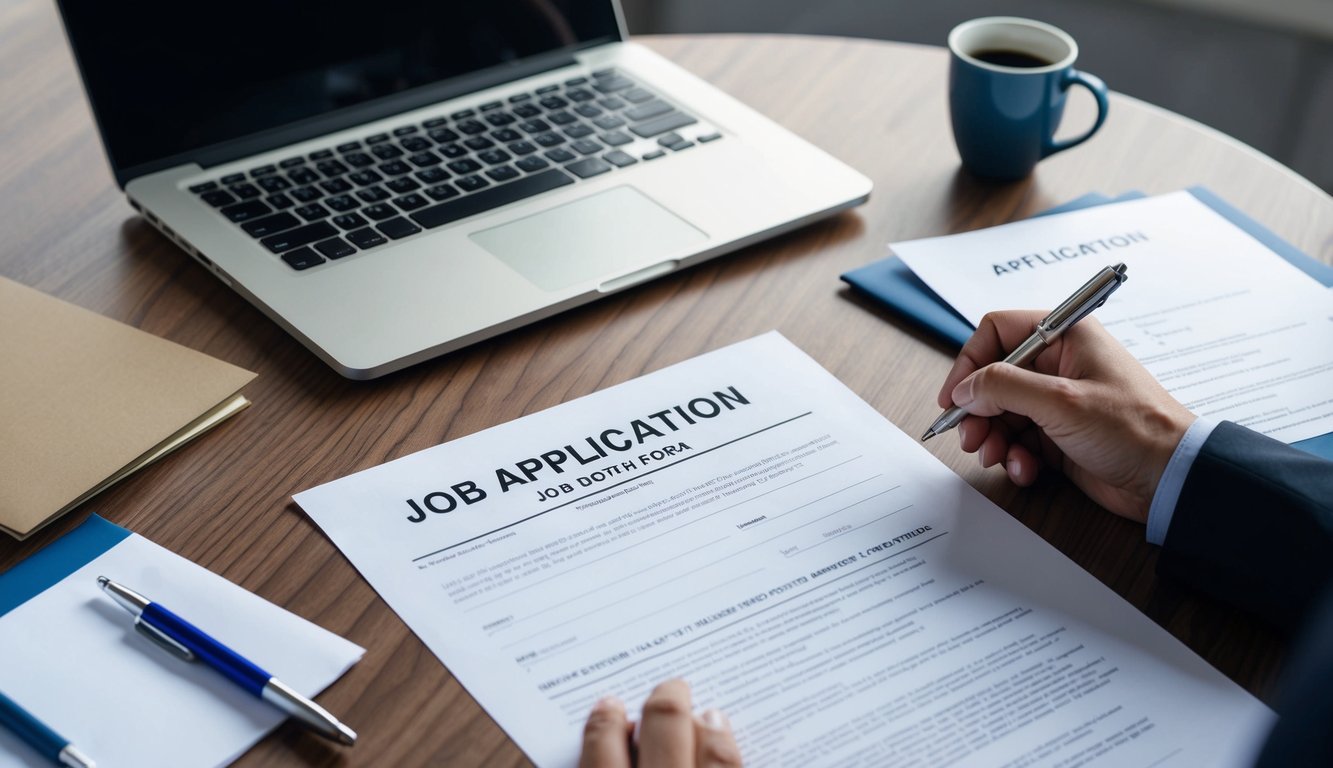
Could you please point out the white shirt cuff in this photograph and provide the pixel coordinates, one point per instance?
(1173, 479)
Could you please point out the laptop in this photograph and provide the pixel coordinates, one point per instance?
(393, 180)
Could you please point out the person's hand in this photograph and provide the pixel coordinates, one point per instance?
(669, 735)
(1087, 408)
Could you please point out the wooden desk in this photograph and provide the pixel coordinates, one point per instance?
(225, 503)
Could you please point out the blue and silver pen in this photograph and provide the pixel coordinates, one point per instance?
(189, 643)
(39, 736)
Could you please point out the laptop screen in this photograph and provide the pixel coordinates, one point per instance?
(166, 77)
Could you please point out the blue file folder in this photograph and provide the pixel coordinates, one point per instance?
(892, 283)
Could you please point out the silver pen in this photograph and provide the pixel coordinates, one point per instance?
(1092, 295)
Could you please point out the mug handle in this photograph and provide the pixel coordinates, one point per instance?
(1098, 89)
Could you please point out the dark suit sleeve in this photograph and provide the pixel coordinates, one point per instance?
(1254, 526)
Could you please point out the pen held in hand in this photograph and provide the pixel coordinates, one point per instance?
(1092, 295)
(189, 643)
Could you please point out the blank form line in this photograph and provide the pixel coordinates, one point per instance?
(626, 577)
(647, 615)
(655, 610)
(835, 537)
(788, 485)
(817, 519)
(835, 493)
(1177, 751)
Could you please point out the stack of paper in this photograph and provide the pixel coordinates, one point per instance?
(85, 401)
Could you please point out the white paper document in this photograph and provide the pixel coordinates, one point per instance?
(71, 657)
(1231, 329)
(744, 521)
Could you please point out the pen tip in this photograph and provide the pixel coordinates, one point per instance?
(929, 434)
(102, 581)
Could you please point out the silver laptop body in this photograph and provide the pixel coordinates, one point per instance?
(648, 207)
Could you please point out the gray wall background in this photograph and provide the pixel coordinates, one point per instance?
(1259, 70)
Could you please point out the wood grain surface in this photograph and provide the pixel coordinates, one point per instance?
(225, 500)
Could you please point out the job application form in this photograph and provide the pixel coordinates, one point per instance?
(1231, 329)
(744, 521)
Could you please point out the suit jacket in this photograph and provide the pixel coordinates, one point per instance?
(1254, 526)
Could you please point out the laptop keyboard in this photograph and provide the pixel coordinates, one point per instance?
(358, 195)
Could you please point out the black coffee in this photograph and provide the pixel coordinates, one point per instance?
(1007, 58)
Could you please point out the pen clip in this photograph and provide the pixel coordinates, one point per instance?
(164, 642)
(1092, 295)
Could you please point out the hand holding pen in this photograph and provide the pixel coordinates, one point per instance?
(1088, 409)
(189, 643)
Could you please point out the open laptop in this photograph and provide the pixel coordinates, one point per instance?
(393, 180)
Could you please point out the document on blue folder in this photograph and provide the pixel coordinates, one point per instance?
(1230, 329)
(71, 655)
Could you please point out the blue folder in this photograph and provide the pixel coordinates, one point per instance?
(892, 283)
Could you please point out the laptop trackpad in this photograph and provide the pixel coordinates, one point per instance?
(601, 236)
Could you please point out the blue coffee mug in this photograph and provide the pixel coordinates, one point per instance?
(1007, 83)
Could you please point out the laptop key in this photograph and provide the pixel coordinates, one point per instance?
(478, 143)
(218, 198)
(424, 159)
(491, 105)
(463, 114)
(349, 147)
(246, 191)
(547, 89)
(380, 211)
(518, 97)
(435, 122)
(494, 156)
(377, 138)
(395, 168)
(342, 203)
(207, 186)
(291, 162)
(274, 184)
(406, 130)
(612, 84)
(303, 258)
(578, 131)
(619, 159)
(661, 124)
(549, 139)
(386, 151)
(506, 135)
(442, 135)
(323, 154)
(431, 175)
(312, 212)
(336, 186)
(588, 110)
(466, 165)
(527, 111)
(334, 248)
(588, 166)
(586, 147)
(372, 194)
(263, 170)
(532, 164)
(522, 148)
(452, 151)
(303, 175)
(611, 103)
(471, 127)
(250, 209)
(503, 173)
(306, 194)
(656, 153)
(561, 118)
(470, 205)
(279, 201)
(349, 221)
(714, 136)
(580, 95)
(233, 178)
(472, 183)
(402, 185)
(416, 144)
(269, 225)
(637, 95)
(560, 155)
(534, 126)
(651, 109)
(295, 238)
(442, 192)
(331, 168)
(616, 138)
(398, 228)
(553, 102)
(498, 119)
(411, 202)
(365, 178)
(357, 159)
(366, 238)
